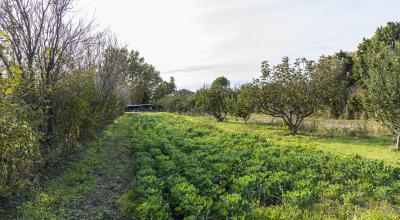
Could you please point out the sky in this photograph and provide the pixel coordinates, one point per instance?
(196, 41)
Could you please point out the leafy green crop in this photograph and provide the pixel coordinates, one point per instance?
(185, 170)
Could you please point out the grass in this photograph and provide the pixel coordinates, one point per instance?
(90, 186)
(378, 147)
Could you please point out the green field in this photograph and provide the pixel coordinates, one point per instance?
(379, 147)
(163, 166)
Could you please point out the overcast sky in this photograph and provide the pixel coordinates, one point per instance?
(198, 40)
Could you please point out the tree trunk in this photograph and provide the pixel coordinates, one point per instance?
(292, 128)
(398, 142)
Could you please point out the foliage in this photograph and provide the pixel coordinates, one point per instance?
(334, 71)
(291, 92)
(78, 117)
(216, 100)
(143, 79)
(221, 82)
(386, 36)
(178, 102)
(20, 153)
(184, 169)
(60, 84)
(165, 88)
(381, 62)
(245, 102)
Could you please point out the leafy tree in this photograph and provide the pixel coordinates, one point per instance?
(245, 102)
(388, 35)
(380, 62)
(290, 91)
(143, 79)
(180, 102)
(221, 82)
(333, 70)
(165, 88)
(216, 100)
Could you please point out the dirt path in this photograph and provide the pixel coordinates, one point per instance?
(89, 188)
(113, 179)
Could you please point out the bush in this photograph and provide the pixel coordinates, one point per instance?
(20, 154)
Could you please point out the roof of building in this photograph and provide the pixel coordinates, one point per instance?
(140, 105)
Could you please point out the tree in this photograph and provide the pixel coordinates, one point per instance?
(47, 43)
(333, 70)
(388, 35)
(380, 64)
(59, 84)
(290, 91)
(143, 79)
(245, 102)
(181, 101)
(165, 88)
(110, 80)
(221, 82)
(216, 100)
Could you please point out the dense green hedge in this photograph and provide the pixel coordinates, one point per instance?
(26, 153)
(195, 171)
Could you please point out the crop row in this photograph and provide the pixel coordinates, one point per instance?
(198, 172)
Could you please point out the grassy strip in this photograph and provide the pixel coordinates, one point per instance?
(377, 147)
(89, 188)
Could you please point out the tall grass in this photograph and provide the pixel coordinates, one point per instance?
(329, 127)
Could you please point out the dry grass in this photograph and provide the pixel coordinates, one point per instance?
(329, 126)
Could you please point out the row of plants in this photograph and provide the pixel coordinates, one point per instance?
(198, 172)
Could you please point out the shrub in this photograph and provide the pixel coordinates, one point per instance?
(20, 154)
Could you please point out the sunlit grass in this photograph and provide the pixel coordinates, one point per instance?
(378, 147)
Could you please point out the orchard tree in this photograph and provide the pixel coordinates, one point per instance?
(290, 91)
(380, 62)
(333, 71)
(179, 102)
(245, 102)
(216, 100)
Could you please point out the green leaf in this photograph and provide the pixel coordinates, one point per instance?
(8, 91)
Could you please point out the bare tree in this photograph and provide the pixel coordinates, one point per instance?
(112, 70)
(46, 42)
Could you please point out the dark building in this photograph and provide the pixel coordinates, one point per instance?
(140, 108)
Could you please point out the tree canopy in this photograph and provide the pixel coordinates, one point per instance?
(290, 91)
(380, 64)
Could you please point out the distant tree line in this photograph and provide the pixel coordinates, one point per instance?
(350, 85)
